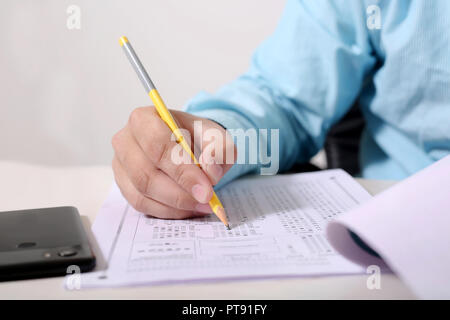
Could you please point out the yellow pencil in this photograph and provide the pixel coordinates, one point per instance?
(166, 116)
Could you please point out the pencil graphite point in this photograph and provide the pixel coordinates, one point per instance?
(222, 216)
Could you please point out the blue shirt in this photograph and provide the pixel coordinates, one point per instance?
(322, 58)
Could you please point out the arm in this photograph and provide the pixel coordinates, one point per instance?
(302, 80)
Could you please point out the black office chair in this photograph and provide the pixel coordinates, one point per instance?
(341, 145)
(342, 142)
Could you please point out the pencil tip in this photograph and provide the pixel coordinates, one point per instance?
(223, 217)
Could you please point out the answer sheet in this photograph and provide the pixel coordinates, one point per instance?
(277, 229)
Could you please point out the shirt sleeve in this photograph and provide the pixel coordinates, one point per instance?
(301, 80)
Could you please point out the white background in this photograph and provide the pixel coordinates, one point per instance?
(64, 93)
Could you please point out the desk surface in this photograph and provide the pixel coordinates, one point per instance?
(24, 186)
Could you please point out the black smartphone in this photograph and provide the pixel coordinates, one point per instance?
(43, 243)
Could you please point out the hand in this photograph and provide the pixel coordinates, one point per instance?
(150, 179)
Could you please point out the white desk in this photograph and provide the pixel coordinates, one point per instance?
(25, 186)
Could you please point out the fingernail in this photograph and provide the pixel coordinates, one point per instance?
(200, 193)
(203, 208)
(216, 172)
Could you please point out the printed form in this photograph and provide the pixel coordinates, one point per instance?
(277, 230)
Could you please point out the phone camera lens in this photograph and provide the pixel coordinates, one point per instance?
(67, 253)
